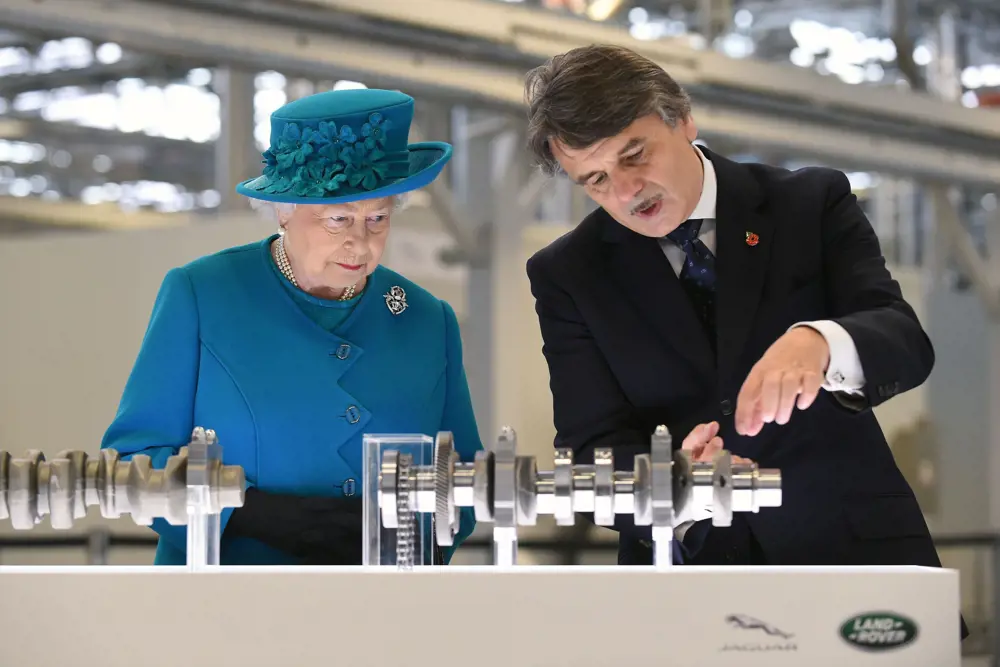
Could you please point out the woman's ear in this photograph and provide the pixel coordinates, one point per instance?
(285, 212)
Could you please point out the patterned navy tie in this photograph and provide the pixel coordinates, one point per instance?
(698, 274)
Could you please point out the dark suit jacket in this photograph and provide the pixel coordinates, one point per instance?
(625, 353)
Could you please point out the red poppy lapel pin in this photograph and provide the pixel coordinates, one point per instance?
(752, 239)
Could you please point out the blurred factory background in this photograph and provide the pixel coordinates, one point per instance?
(124, 126)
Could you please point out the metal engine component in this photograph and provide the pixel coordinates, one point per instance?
(664, 489)
(63, 487)
(406, 532)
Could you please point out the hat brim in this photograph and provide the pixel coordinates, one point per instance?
(427, 159)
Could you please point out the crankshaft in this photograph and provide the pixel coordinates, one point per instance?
(664, 489)
(65, 486)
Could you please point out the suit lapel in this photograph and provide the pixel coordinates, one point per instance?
(644, 277)
(744, 237)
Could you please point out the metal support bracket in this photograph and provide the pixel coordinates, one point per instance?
(968, 257)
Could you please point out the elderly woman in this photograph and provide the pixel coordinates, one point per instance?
(293, 347)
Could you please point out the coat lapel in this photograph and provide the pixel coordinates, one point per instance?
(644, 277)
(744, 238)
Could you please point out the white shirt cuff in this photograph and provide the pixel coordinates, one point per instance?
(681, 530)
(844, 373)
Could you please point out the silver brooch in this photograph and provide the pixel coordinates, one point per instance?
(395, 300)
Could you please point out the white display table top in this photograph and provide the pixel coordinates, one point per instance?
(463, 615)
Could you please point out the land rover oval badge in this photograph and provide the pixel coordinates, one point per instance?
(878, 631)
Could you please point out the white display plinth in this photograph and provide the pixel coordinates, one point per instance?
(444, 616)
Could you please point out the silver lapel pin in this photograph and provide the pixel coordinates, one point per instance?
(395, 300)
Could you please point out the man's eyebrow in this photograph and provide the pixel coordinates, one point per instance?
(632, 143)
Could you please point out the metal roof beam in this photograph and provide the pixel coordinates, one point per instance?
(28, 127)
(138, 66)
(251, 43)
(544, 34)
(317, 52)
(134, 156)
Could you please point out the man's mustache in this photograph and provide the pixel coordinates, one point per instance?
(644, 204)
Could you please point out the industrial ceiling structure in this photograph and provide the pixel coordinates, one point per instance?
(119, 102)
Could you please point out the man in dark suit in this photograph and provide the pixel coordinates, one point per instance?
(741, 304)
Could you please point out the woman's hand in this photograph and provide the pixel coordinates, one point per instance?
(320, 530)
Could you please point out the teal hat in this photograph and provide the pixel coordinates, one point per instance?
(344, 145)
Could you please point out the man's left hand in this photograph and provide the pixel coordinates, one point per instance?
(703, 443)
(789, 375)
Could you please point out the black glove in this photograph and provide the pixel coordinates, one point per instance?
(319, 530)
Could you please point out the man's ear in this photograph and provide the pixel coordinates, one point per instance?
(689, 127)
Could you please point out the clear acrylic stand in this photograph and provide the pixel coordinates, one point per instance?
(203, 527)
(394, 533)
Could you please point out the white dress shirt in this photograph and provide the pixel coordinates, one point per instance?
(844, 374)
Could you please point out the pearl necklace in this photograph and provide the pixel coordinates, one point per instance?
(281, 259)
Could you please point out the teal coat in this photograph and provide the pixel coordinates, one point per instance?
(232, 346)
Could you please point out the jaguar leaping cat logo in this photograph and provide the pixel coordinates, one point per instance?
(745, 622)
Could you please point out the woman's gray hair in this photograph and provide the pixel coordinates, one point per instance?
(277, 211)
(592, 93)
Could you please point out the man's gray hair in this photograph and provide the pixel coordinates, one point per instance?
(277, 211)
(592, 93)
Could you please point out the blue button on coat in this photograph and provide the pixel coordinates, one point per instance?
(228, 349)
